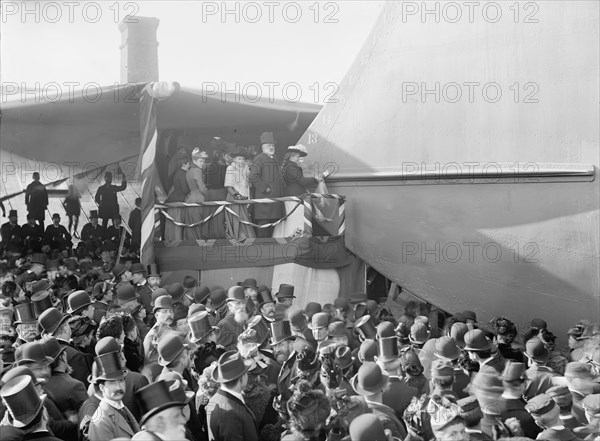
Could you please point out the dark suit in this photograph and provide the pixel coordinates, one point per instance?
(10, 234)
(106, 198)
(33, 236)
(295, 182)
(36, 199)
(57, 237)
(135, 223)
(229, 331)
(267, 182)
(134, 381)
(398, 395)
(145, 293)
(67, 392)
(92, 236)
(78, 362)
(515, 408)
(86, 412)
(108, 423)
(44, 435)
(280, 311)
(558, 435)
(229, 419)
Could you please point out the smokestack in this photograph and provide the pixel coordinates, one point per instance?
(139, 50)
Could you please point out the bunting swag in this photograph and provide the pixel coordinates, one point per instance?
(314, 252)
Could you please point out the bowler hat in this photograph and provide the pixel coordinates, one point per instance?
(77, 301)
(41, 302)
(446, 348)
(366, 327)
(81, 325)
(540, 405)
(53, 348)
(476, 340)
(176, 291)
(195, 308)
(218, 297)
(230, 367)
(107, 345)
(312, 308)
(50, 320)
(250, 283)
(118, 269)
(441, 368)
(264, 296)
(513, 371)
(419, 333)
(39, 286)
(32, 352)
(319, 320)
(158, 292)
(535, 349)
(189, 282)
(152, 270)
(163, 302)
(300, 149)
(385, 329)
(109, 367)
(343, 357)
(170, 347)
(267, 138)
(369, 380)
(22, 400)
(341, 303)
(388, 348)
(201, 293)
(138, 268)
(367, 350)
(24, 313)
(126, 293)
(285, 291)
(200, 326)
(591, 404)
(39, 259)
(154, 398)
(236, 294)
(367, 427)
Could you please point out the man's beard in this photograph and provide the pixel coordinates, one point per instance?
(240, 316)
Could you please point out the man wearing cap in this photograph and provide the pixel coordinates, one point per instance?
(581, 382)
(234, 322)
(92, 234)
(539, 375)
(106, 198)
(564, 400)
(11, 231)
(227, 415)
(546, 414)
(471, 413)
(56, 235)
(267, 182)
(26, 409)
(112, 419)
(54, 324)
(32, 234)
(371, 382)
(180, 311)
(36, 199)
(285, 298)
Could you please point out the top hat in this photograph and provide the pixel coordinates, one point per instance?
(39, 285)
(540, 405)
(250, 283)
(366, 327)
(230, 367)
(126, 293)
(170, 347)
(12, 213)
(138, 268)
(200, 326)
(367, 350)
(163, 302)
(285, 291)
(33, 352)
(107, 345)
(388, 348)
(343, 357)
(300, 149)
(267, 138)
(195, 308)
(264, 296)
(513, 371)
(312, 308)
(385, 329)
(53, 348)
(152, 270)
(319, 320)
(41, 302)
(591, 404)
(94, 214)
(24, 313)
(476, 340)
(236, 294)
(201, 293)
(39, 259)
(118, 269)
(109, 367)
(50, 320)
(22, 400)
(77, 301)
(367, 427)
(155, 398)
(218, 297)
(369, 380)
(535, 349)
(341, 303)
(446, 348)
(176, 291)
(441, 368)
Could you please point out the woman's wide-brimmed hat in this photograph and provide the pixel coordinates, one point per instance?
(300, 149)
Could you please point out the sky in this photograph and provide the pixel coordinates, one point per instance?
(291, 50)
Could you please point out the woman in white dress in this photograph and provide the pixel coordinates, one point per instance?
(238, 188)
(198, 190)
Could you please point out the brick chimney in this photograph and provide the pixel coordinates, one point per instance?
(139, 50)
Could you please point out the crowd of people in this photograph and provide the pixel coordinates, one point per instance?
(91, 353)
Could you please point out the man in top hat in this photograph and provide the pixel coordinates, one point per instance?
(106, 198)
(285, 298)
(56, 236)
(539, 375)
(201, 328)
(36, 199)
(371, 382)
(546, 414)
(26, 409)
(112, 419)
(10, 232)
(228, 416)
(165, 412)
(25, 323)
(92, 234)
(398, 394)
(266, 309)
(140, 283)
(267, 182)
(55, 324)
(281, 340)
(235, 321)
(251, 290)
(32, 234)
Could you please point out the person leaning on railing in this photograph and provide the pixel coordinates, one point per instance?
(238, 188)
